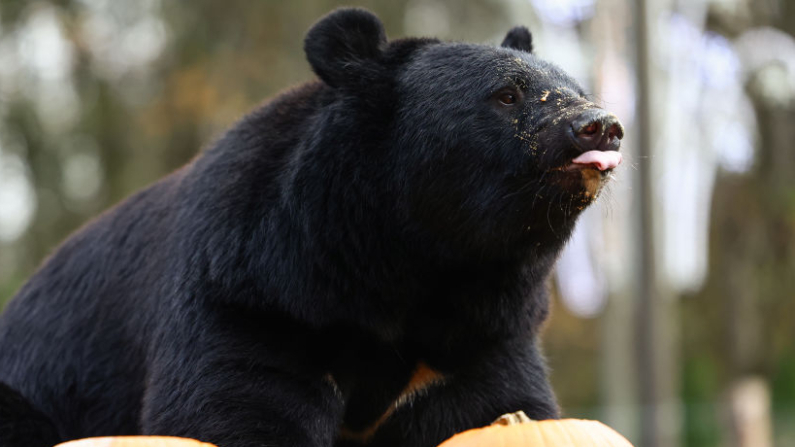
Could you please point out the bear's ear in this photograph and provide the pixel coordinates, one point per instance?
(343, 46)
(519, 38)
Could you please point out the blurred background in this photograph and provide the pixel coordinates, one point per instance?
(674, 300)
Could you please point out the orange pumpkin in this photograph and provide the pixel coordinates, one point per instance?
(510, 430)
(135, 441)
(517, 430)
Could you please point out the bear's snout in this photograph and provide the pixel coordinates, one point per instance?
(596, 130)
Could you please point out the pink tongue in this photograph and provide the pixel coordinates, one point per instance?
(602, 160)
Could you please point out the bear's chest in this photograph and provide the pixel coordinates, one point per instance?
(377, 381)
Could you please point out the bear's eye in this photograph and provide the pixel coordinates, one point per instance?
(507, 99)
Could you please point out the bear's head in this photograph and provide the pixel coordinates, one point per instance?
(476, 149)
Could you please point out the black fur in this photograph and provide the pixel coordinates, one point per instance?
(21, 424)
(395, 217)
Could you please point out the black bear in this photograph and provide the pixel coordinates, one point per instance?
(361, 261)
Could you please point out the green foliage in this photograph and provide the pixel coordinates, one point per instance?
(700, 394)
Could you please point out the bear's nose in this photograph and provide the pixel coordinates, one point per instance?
(597, 130)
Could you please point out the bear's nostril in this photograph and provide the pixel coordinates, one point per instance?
(615, 131)
(590, 130)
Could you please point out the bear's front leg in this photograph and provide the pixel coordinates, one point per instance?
(231, 389)
(505, 378)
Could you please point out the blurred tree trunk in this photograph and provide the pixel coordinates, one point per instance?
(655, 322)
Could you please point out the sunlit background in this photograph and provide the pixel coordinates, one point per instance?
(98, 98)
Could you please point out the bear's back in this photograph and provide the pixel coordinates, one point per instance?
(75, 338)
(71, 339)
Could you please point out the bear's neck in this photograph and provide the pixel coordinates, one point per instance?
(347, 266)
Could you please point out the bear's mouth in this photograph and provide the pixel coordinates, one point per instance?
(586, 173)
(604, 161)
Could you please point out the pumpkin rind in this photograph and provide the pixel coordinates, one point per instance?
(549, 433)
(135, 441)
